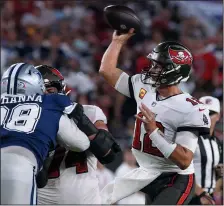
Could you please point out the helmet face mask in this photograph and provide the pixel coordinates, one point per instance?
(53, 79)
(151, 74)
(54, 86)
(169, 64)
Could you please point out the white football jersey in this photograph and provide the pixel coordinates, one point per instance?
(86, 161)
(178, 113)
(104, 176)
(64, 178)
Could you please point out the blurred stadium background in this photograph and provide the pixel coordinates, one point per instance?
(72, 36)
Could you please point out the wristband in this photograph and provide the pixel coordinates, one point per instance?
(161, 143)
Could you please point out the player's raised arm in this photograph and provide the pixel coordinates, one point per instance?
(108, 67)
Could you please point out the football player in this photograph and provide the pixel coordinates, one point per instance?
(167, 128)
(30, 122)
(72, 175)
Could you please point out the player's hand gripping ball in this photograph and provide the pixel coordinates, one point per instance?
(121, 18)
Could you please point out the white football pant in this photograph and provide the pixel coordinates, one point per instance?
(71, 188)
(18, 170)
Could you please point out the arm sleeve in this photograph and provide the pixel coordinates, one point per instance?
(124, 84)
(94, 113)
(70, 136)
(187, 139)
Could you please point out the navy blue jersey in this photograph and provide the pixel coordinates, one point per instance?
(32, 121)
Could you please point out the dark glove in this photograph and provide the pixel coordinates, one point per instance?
(42, 175)
(104, 147)
(82, 121)
(42, 178)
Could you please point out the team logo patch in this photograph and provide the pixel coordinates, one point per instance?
(142, 93)
(205, 119)
(21, 84)
(180, 56)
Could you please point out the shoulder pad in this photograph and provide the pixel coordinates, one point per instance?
(94, 113)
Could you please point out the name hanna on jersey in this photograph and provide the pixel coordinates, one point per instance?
(22, 98)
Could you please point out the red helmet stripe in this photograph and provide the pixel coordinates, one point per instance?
(56, 72)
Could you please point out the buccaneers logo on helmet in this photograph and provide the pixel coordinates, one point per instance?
(180, 57)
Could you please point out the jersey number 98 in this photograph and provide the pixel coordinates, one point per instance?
(21, 118)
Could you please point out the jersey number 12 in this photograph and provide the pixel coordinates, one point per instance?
(146, 144)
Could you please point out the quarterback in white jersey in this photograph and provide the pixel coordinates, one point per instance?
(167, 126)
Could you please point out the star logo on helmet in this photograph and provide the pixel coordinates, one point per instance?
(180, 57)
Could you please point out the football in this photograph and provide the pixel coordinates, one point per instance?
(121, 18)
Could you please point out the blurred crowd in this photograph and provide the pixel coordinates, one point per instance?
(73, 35)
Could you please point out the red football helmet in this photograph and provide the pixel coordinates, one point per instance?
(52, 78)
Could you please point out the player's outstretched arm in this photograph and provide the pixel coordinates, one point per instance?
(108, 67)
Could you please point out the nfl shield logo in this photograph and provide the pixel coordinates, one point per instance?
(153, 104)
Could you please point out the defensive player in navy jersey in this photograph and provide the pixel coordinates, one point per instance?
(30, 123)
